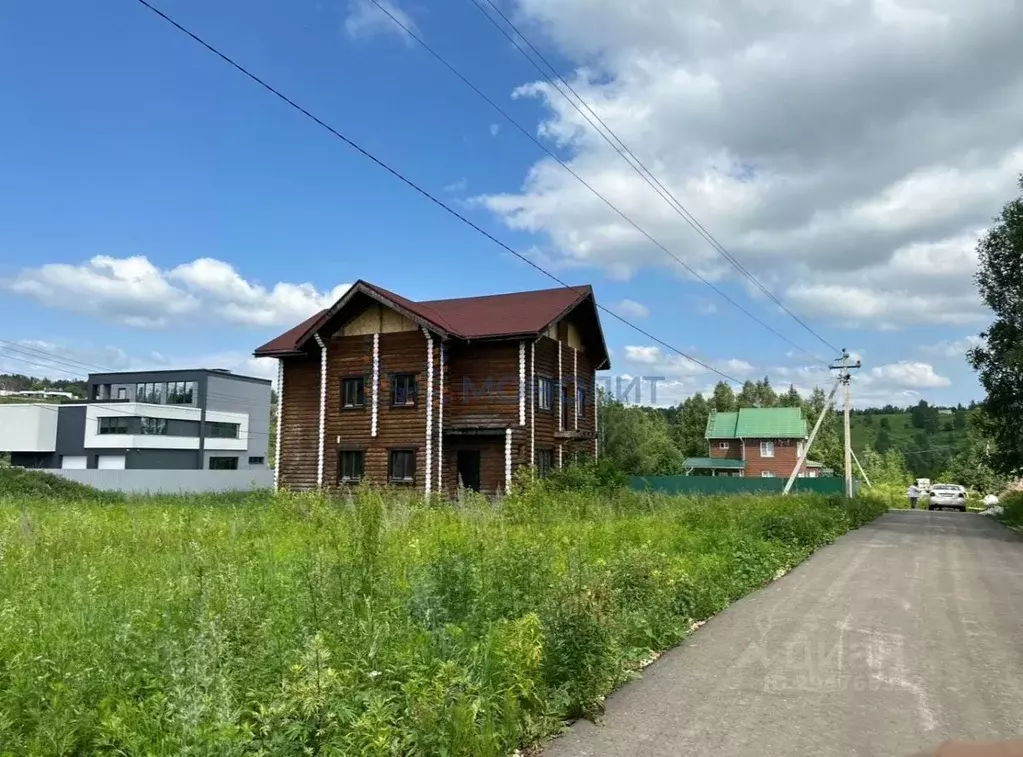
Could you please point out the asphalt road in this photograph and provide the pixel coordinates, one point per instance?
(902, 634)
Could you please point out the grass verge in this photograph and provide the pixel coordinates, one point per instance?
(1012, 514)
(293, 625)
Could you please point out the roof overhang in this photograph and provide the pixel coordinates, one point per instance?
(714, 463)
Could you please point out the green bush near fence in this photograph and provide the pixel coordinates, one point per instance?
(383, 625)
(724, 485)
(1012, 510)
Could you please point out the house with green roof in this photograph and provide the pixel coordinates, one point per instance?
(755, 441)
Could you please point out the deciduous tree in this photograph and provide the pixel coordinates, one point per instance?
(999, 361)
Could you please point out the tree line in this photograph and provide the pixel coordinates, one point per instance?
(647, 441)
(656, 441)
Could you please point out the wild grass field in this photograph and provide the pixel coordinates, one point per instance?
(296, 625)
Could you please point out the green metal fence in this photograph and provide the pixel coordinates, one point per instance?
(736, 485)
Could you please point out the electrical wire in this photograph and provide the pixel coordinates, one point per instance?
(628, 156)
(551, 154)
(416, 187)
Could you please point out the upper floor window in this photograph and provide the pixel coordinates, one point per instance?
(353, 392)
(217, 430)
(180, 392)
(113, 425)
(722, 445)
(580, 402)
(403, 390)
(799, 449)
(766, 449)
(151, 393)
(545, 393)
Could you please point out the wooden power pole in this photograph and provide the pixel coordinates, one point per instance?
(844, 377)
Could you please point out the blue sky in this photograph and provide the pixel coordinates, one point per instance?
(161, 209)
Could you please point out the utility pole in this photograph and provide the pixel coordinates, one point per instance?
(813, 435)
(862, 472)
(844, 377)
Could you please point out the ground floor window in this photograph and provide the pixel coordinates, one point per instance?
(401, 466)
(223, 463)
(767, 474)
(544, 462)
(351, 464)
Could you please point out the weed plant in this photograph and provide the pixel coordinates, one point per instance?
(377, 624)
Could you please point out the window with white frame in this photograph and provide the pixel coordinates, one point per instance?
(799, 449)
(722, 445)
(767, 449)
(545, 392)
(767, 474)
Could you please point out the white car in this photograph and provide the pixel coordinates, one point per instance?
(950, 496)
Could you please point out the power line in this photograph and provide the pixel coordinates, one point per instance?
(628, 156)
(550, 153)
(413, 185)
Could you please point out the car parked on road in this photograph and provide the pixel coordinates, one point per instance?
(951, 496)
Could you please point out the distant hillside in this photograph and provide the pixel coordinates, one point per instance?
(16, 382)
(926, 436)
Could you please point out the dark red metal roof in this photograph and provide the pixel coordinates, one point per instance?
(487, 317)
(289, 340)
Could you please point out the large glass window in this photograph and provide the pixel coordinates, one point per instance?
(150, 393)
(113, 425)
(180, 392)
(217, 430)
(156, 426)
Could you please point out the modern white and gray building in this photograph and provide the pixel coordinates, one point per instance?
(203, 419)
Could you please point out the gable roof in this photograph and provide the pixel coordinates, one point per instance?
(487, 317)
(758, 423)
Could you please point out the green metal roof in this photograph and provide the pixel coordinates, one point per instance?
(715, 463)
(758, 423)
(814, 464)
(722, 426)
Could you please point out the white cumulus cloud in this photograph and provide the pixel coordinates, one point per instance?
(847, 153)
(365, 19)
(134, 292)
(631, 309)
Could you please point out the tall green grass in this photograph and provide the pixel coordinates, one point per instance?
(1012, 513)
(294, 625)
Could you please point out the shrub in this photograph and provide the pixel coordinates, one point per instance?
(1012, 512)
(21, 483)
